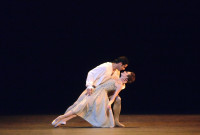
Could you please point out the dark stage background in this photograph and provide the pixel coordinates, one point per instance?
(47, 49)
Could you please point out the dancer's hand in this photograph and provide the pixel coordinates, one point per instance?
(109, 106)
(108, 109)
(89, 91)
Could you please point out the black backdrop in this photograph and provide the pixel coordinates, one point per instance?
(47, 48)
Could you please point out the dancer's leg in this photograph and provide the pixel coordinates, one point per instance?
(64, 120)
(59, 118)
(117, 110)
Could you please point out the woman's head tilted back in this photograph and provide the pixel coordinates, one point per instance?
(130, 77)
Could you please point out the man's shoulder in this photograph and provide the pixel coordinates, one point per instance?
(105, 65)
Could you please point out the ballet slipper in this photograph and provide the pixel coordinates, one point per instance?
(54, 122)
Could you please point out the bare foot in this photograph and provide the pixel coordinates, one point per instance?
(118, 124)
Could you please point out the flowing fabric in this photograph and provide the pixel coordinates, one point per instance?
(93, 108)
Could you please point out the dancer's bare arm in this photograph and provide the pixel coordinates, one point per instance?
(117, 91)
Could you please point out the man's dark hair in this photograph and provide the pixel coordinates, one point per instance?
(121, 59)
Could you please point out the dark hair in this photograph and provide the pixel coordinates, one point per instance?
(131, 77)
(121, 59)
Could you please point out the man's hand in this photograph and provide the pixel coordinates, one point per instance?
(89, 91)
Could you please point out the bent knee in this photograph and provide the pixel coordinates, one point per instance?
(118, 100)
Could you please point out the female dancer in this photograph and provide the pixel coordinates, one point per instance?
(96, 108)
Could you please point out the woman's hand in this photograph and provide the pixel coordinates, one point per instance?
(108, 109)
(109, 106)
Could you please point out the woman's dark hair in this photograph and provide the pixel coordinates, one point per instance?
(121, 59)
(131, 77)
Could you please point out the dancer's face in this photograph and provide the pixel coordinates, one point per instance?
(124, 75)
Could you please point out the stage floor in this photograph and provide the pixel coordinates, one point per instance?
(135, 125)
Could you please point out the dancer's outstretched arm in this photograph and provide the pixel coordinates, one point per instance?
(117, 91)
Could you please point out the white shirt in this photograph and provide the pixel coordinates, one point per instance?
(100, 74)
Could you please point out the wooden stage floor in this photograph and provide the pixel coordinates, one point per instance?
(135, 125)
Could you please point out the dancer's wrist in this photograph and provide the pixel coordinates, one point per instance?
(90, 87)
